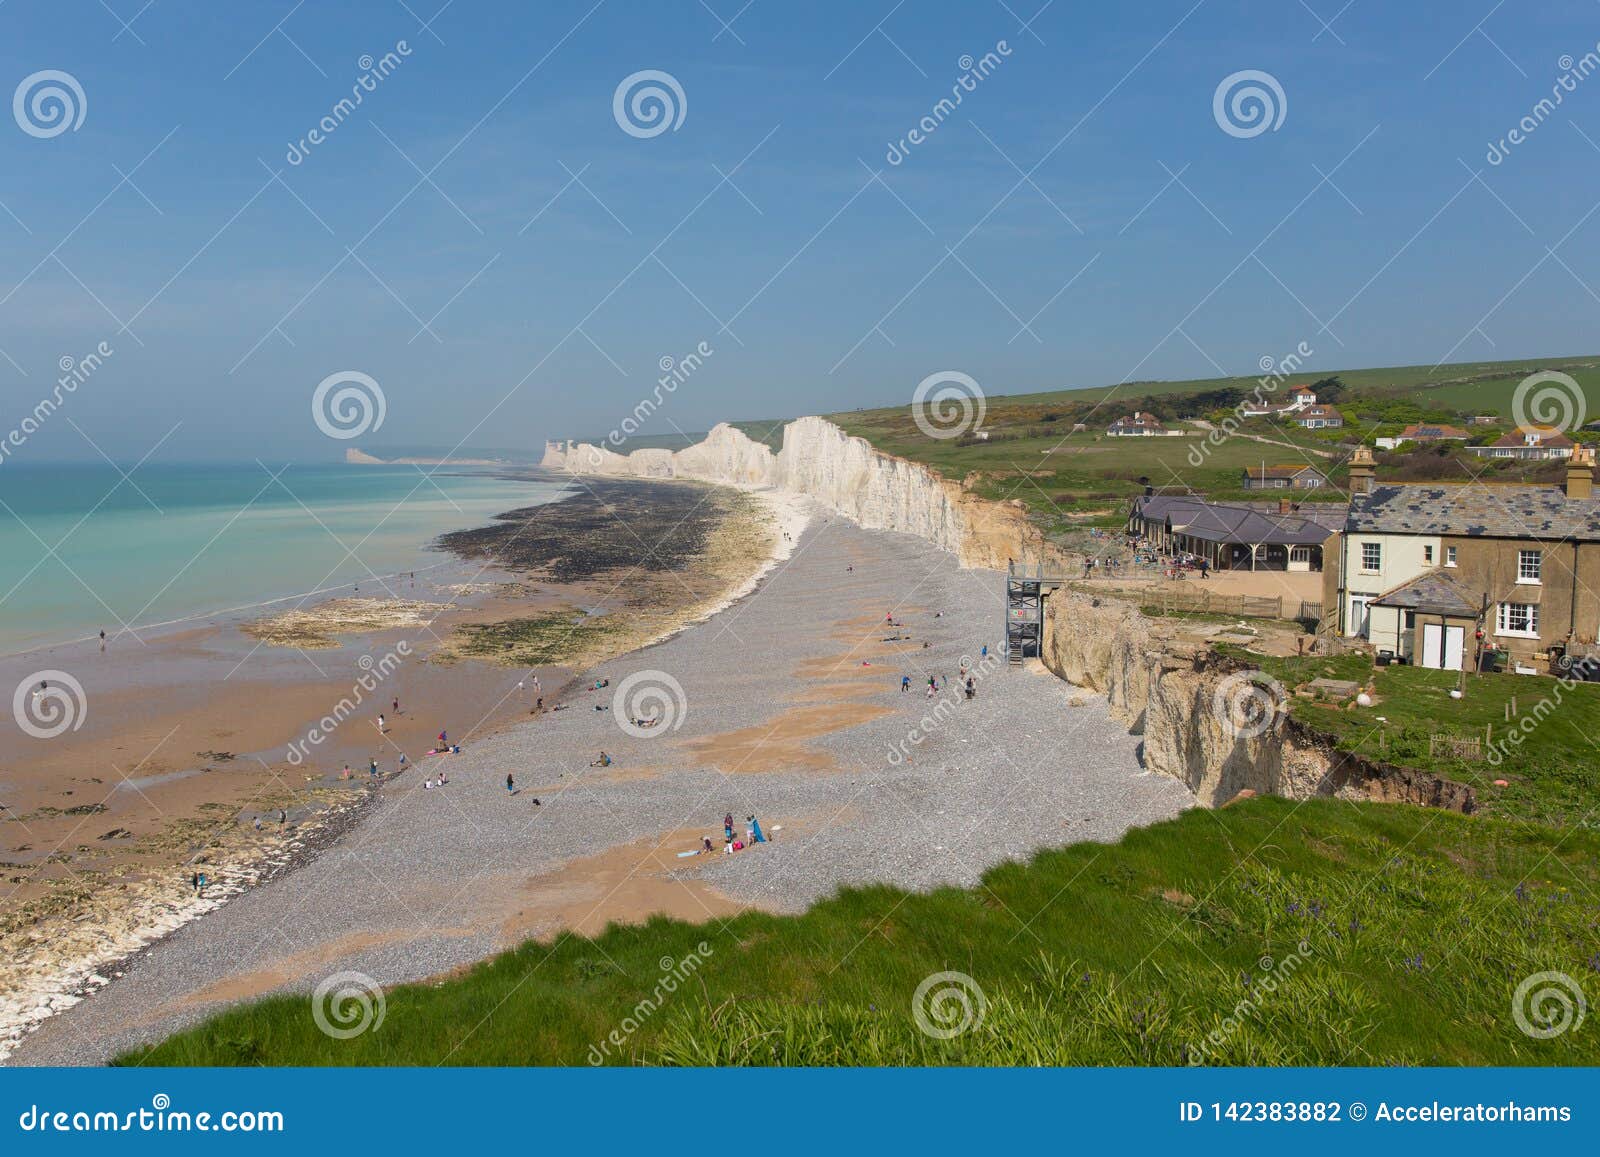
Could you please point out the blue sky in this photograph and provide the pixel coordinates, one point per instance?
(1081, 218)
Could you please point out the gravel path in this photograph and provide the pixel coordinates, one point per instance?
(778, 716)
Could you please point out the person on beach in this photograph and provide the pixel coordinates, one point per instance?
(102, 640)
(396, 705)
(930, 688)
(258, 823)
(345, 774)
(381, 727)
(443, 744)
(283, 817)
(756, 835)
(985, 652)
(511, 784)
(905, 682)
(727, 827)
(604, 760)
(372, 768)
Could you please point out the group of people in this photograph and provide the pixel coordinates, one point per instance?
(731, 842)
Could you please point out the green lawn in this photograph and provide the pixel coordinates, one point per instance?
(1272, 932)
(1552, 775)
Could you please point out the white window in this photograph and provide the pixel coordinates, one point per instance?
(1299, 554)
(1427, 555)
(1518, 619)
(1372, 556)
(1529, 563)
(1449, 556)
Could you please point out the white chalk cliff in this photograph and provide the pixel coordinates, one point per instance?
(845, 474)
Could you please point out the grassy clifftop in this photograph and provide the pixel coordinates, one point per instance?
(1267, 933)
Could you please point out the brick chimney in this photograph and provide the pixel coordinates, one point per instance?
(1285, 506)
(1580, 473)
(1363, 471)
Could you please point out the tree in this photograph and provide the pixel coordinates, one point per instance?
(1329, 390)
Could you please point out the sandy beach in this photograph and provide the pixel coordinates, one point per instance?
(786, 704)
(204, 730)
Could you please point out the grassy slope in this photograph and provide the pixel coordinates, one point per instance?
(1414, 929)
(1399, 379)
(1553, 775)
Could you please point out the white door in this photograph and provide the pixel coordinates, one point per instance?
(1455, 639)
(1442, 646)
(1433, 646)
(1358, 617)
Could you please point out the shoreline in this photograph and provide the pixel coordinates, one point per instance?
(151, 903)
(790, 714)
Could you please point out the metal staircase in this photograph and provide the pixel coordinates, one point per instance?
(1026, 588)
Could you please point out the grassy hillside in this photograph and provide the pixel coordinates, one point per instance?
(1469, 383)
(1266, 933)
(1069, 480)
(1551, 774)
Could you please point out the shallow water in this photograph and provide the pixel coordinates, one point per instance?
(84, 549)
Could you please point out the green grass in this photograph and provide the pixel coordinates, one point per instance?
(1462, 377)
(1367, 934)
(1553, 773)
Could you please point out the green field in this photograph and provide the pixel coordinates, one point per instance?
(1552, 776)
(1463, 383)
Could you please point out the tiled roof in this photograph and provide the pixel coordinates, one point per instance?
(1546, 438)
(1431, 593)
(1219, 522)
(1477, 510)
(1283, 470)
(1440, 432)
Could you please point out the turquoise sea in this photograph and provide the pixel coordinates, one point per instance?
(83, 548)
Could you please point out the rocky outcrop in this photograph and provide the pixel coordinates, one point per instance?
(845, 474)
(1211, 722)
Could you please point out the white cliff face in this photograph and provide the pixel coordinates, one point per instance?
(725, 455)
(819, 460)
(876, 490)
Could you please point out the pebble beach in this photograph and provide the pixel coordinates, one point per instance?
(785, 704)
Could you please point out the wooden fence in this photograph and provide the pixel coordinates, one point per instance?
(1209, 602)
